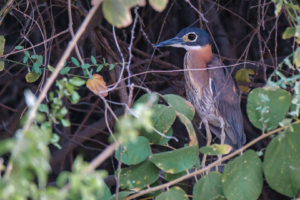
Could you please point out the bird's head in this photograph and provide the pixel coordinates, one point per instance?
(188, 38)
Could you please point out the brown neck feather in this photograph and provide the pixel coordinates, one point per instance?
(201, 56)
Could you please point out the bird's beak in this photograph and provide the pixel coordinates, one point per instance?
(176, 42)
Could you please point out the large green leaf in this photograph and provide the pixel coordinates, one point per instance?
(267, 107)
(171, 177)
(104, 194)
(180, 105)
(282, 162)
(289, 32)
(243, 177)
(162, 119)
(121, 196)
(175, 193)
(209, 187)
(176, 161)
(189, 128)
(116, 13)
(146, 98)
(134, 152)
(138, 176)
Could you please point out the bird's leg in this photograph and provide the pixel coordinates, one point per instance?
(222, 139)
(208, 140)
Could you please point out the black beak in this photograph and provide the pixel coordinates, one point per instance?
(171, 42)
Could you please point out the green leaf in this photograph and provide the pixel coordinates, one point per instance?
(216, 149)
(282, 162)
(122, 195)
(175, 161)
(43, 108)
(77, 81)
(104, 195)
(130, 3)
(62, 179)
(18, 47)
(171, 177)
(288, 33)
(75, 97)
(25, 59)
(75, 61)
(39, 59)
(278, 7)
(175, 193)
(138, 176)
(243, 177)
(111, 66)
(65, 122)
(209, 187)
(189, 128)
(296, 57)
(33, 56)
(36, 67)
(116, 13)
(267, 107)
(1, 65)
(2, 44)
(32, 77)
(180, 105)
(244, 75)
(85, 66)
(162, 119)
(134, 152)
(146, 98)
(158, 5)
(64, 70)
(27, 54)
(91, 74)
(94, 61)
(54, 140)
(52, 69)
(99, 68)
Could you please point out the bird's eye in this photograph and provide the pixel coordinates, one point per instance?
(192, 36)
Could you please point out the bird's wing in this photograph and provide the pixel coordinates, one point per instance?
(227, 96)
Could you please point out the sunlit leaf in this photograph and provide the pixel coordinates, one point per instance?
(177, 160)
(32, 77)
(216, 149)
(267, 107)
(116, 13)
(297, 57)
(282, 162)
(180, 105)
(189, 128)
(243, 177)
(158, 5)
(138, 176)
(134, 152)
(175, 193)
(146, 98)
(209, 187)
(162, 119)
(97, 85)
(288, 33)
(243, 75)
(65, 122)
(1, 65)
(77, 81)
